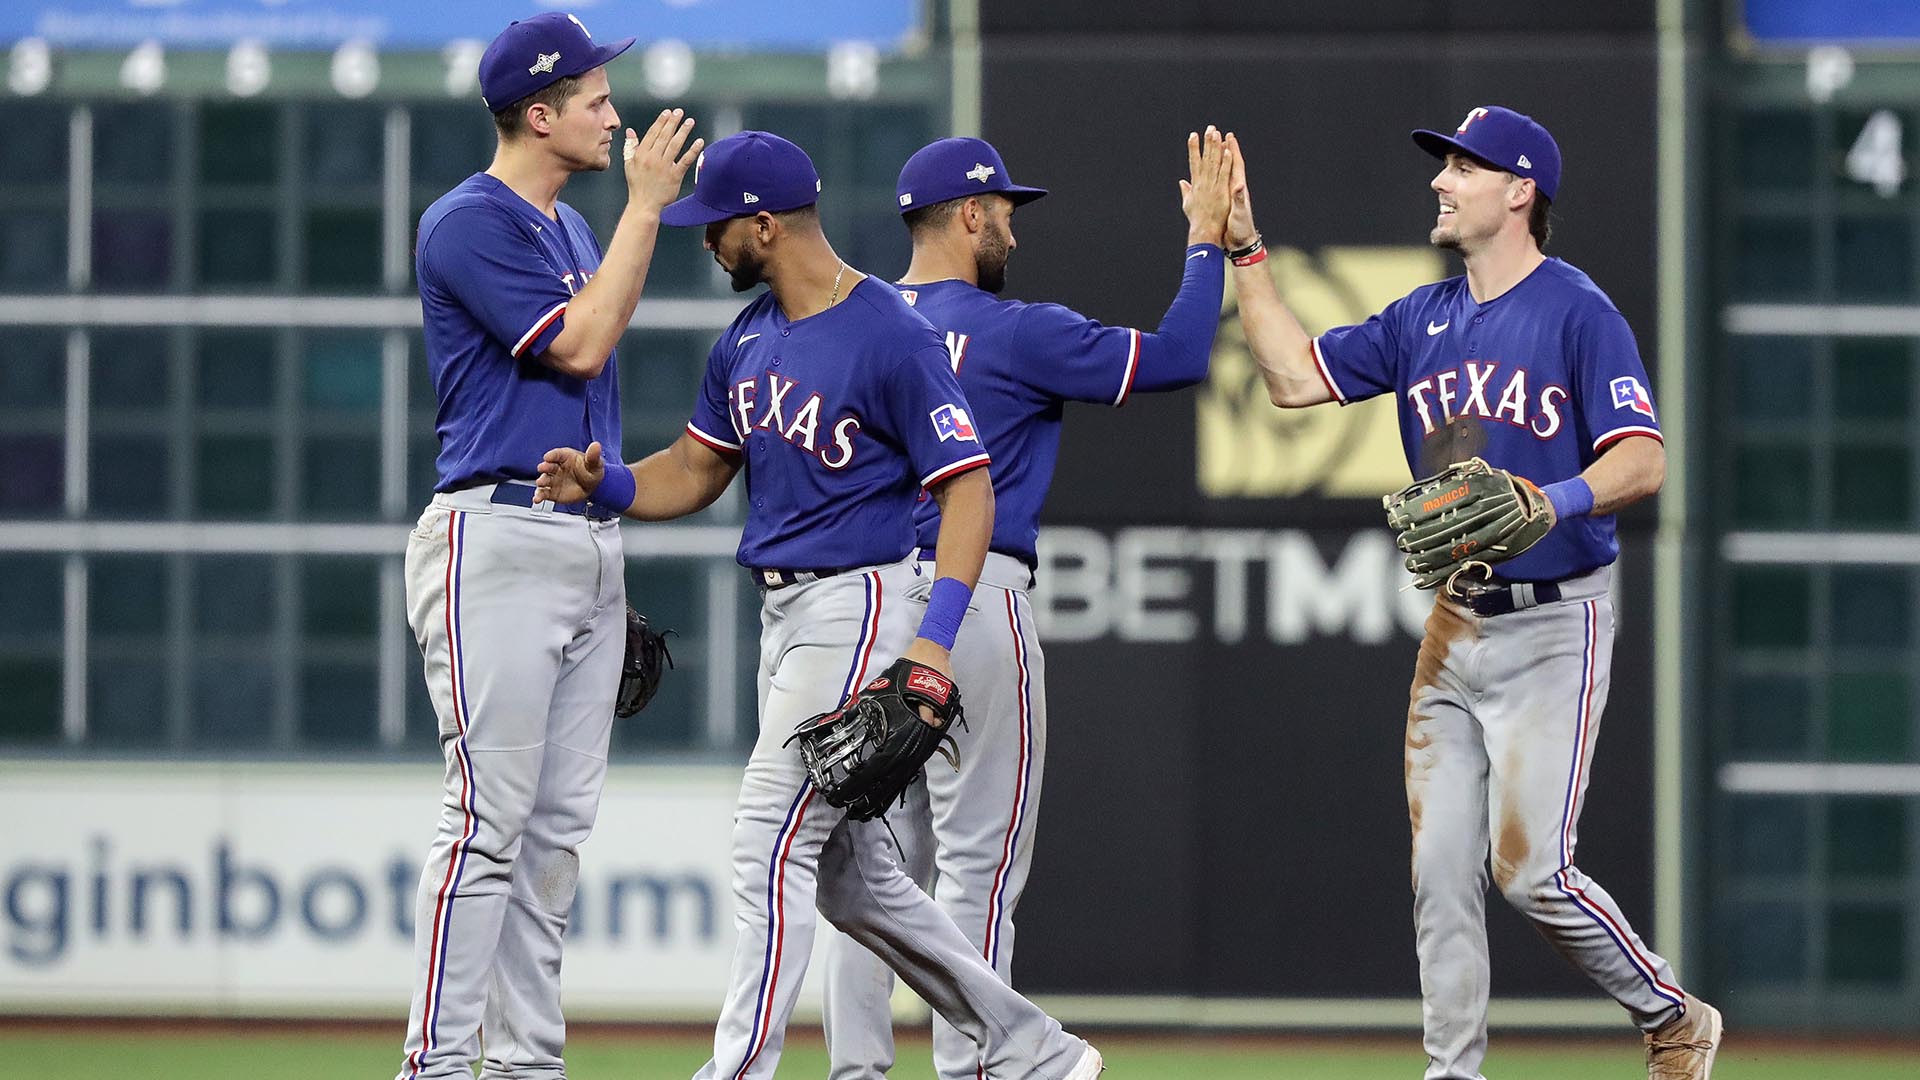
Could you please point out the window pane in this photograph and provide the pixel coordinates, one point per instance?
(1765, 942)
(33, 249)
(119, 490)
(1772, 376)
(1769, 716)
(340, 597)
(131, 368)
(33, 470)
(232, 704)
(235, 476)
(31, 596)
(1871, 607)
(338, 706)
(1872, 379)
(1868, 716)
(238, 247)
(1770, 606)
(132, 144)
(342, 477)
(1873, 259)
(1772, 258)
(234, 595)
(345, 145)
(239, 144)
(342, 371)
(1768, 835)
(1771, 485)
(450, 143)
(132, 249)
(127, 693)
(1774, 151)
(1866, 943)
(127, 595)
(237, 369)
(1867, 838)
(34, 375)
(30, 685)
(36, 140)
(885, 136)
(343, 249)
(1871, 485)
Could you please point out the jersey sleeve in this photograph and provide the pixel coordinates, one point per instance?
(930, 416)
(1359, 362)
(484, 260)
(712, 421)
(1615, 399)
(1066, 355)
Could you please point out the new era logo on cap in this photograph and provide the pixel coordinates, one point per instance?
(748, 198)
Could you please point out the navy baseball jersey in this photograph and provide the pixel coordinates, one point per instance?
(1549, 370)
(495, 278)
(1019, 363)
(844, 418)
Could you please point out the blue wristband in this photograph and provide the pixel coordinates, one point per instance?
(616, 489)
(946, 606)
(1570, 498)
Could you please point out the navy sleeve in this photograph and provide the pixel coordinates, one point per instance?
(713, 418)
(1359, 362)
(1072, 357)
(1615, 400)
(484, 260)
(931, 418)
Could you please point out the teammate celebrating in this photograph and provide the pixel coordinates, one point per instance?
(1526, 363)
(1018, 364)
(838, 402)
(520, 609)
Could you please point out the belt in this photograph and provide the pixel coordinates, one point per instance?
(780, 579)
(1507, 597)
(507, 493)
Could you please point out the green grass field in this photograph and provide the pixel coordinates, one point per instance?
(98, 1052)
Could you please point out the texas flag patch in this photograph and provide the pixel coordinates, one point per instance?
(1629, 394)
(951, 422)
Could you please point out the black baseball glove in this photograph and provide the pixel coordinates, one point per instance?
(646, 665)
(864, 755)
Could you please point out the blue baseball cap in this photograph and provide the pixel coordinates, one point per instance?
(954, 169)
(533, 54)
(1504, 139)
(744, 174)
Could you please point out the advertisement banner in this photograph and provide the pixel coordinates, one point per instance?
(251, 888)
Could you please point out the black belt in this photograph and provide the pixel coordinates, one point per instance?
(780, 579)
(1506, 597)
(511, 494)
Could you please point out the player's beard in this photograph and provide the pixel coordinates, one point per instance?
(748, 270)
(990, 259)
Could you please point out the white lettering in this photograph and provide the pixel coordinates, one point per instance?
(1550, 399)
(777, 389)
(743, 395)
(1514, 399)
(805, 422)
(1445, 381)
(1478, 376)
(1139, 585)
(840, 454)
(1417, 396)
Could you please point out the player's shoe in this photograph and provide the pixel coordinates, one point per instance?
(1683, 1048)
(1089, 1066)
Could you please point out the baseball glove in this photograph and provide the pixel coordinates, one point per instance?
(1466, 517)
(645, 666)
(865, 754)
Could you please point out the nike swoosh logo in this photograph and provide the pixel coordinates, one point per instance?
(1201, 254)
(1435, 328)
(744, 338)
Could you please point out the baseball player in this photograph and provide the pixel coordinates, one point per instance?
(520, 609)
(1525, 363)
(1019, 364)
(838, 402)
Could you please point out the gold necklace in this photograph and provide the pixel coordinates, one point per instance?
(835, 298)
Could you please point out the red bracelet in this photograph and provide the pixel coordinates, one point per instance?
(1259, 255)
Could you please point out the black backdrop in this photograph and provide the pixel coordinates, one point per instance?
(1228, 818)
